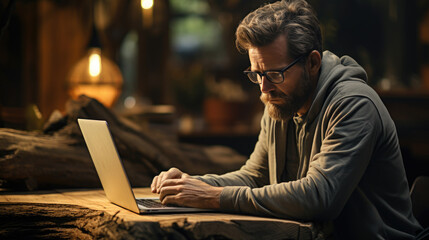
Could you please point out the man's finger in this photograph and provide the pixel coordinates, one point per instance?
(154, 184)
(168, 200)
(172, 173)
(171, 187)
(161, 177)
(171, 182)
(169, 191)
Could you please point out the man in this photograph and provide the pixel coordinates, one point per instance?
(327, 150)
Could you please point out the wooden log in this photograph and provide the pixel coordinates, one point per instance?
(67, 221)
(32, 160)
(64, 221)
(58, 157)
(84, 211)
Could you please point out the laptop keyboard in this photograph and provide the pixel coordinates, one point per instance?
(150, 203)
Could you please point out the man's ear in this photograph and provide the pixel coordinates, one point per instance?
(314, 62)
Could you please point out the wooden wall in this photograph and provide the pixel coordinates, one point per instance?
(62, 37)
(46, 38)
(42, 42)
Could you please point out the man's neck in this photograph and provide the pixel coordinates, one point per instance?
(304, 109)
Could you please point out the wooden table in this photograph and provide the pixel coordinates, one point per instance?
(87, 214)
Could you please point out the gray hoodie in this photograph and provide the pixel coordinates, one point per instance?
(349, 165)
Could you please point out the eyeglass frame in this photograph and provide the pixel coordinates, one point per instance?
(262, 74)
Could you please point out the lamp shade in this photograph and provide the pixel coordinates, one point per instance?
(96, 76)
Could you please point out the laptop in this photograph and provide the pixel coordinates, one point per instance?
(112, 173)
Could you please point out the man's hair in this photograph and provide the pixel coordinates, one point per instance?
(294, 18)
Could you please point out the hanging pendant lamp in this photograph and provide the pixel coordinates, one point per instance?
(95, 75)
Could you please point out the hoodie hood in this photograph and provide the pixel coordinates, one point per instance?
(334, 70)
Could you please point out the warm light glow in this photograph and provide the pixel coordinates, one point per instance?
(147, 4)
(96, 76)
(103, 93)
(94, 64)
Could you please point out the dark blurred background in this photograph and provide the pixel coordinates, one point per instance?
(179, 71)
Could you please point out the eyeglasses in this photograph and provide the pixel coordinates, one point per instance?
(274, 76)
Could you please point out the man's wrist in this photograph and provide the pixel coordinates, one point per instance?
(216, 197)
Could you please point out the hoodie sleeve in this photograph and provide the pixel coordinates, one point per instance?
(350, 133)
(254, 173)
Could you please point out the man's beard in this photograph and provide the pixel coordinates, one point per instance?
(289, 104)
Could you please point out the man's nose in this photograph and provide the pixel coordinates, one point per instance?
(266, 86)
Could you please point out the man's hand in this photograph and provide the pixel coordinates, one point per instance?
(178, 188)
(172, 173)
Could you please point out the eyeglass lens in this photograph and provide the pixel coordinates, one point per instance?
(274, 77)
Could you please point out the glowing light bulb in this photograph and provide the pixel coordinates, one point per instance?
(146, 4)
(94, 64)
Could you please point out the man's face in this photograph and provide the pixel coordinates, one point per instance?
(289, 97)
